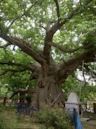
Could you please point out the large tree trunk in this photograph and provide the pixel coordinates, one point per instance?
(47, 92)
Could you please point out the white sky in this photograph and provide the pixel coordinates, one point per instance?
(79, 75)
(76, 1)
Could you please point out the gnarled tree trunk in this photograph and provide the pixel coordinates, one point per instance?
(47, 90)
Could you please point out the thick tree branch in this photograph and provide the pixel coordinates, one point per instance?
(68, 67)
(24, 46)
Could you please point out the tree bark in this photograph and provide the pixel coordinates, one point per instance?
(47, 91)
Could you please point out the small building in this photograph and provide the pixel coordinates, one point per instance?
(73, 102)
(91, 106)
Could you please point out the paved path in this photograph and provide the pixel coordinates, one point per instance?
(90, 124)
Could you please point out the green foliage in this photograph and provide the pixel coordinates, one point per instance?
(84, 91)
(70, 85)
(88, 93)
(15, 80)
(3, 124)
(90, 41)
(54, 119)
(9, 119)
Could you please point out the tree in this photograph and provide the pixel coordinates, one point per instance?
(56, 36)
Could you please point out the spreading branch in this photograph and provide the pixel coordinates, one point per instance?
(68, 67)
(50, 33)
(24, 46)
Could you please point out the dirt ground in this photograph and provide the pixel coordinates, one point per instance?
(90, 120)
(89, 125)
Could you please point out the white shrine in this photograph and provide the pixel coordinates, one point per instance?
(72, 102)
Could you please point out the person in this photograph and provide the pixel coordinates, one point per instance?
(28, 100)
(28, 105)
(76, 120)
(20, 106)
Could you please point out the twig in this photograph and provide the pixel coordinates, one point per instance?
(55, 99)
(83, 73)
(20, 16)
(64, 49)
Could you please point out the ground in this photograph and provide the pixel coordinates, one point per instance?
(89, 125)
(25, 122)
(91, 122)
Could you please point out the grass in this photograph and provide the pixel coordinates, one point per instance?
(12, 121)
